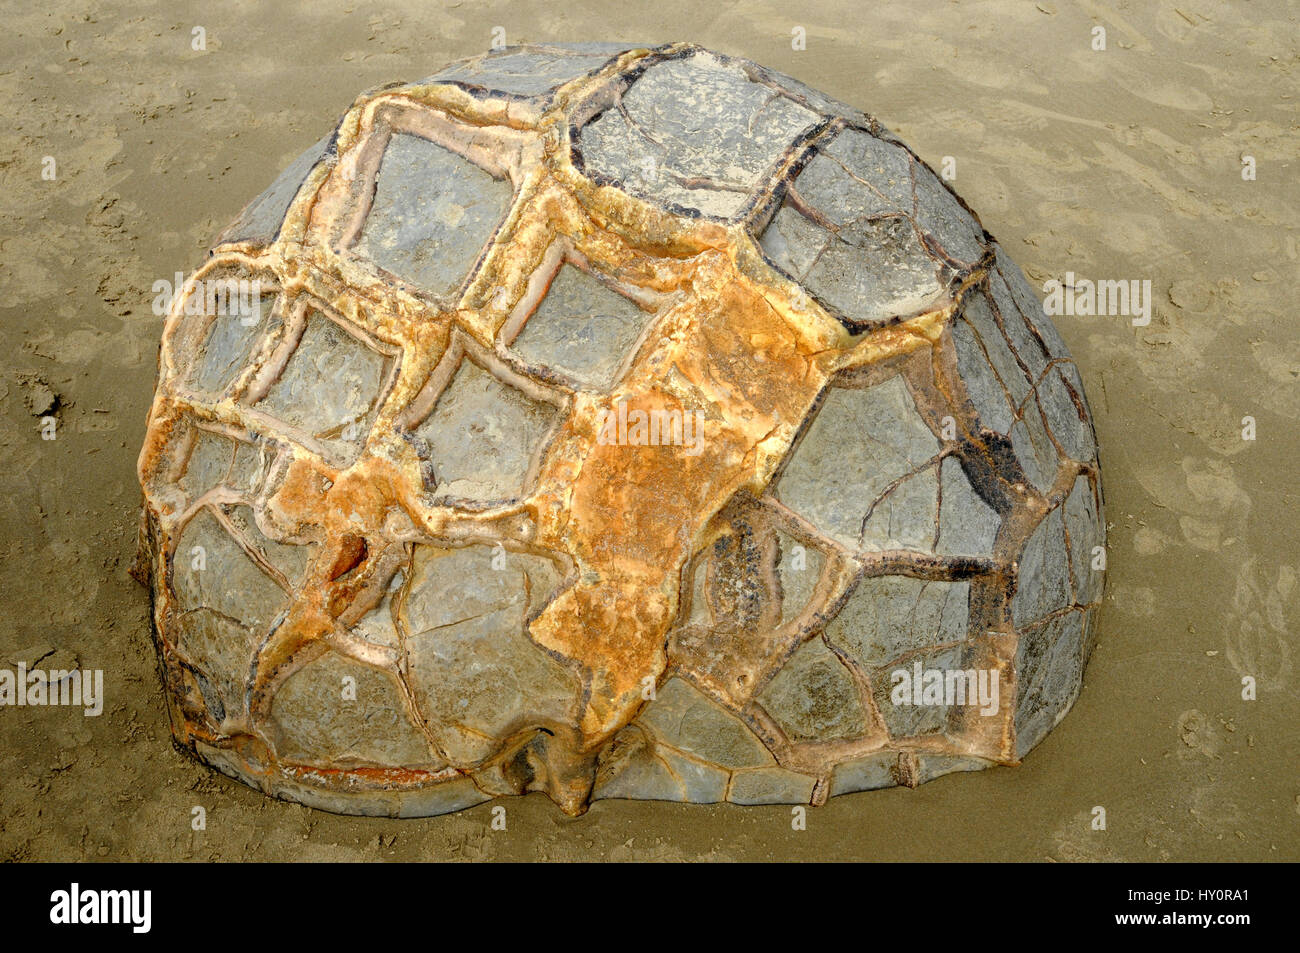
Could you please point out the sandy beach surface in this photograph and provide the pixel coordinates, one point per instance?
(1123, 163)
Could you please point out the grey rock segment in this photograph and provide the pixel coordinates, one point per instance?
(693, 133)
(813, 697)
(919, 716)
(582, 330)
(684, 718)
(995, 382)
(1017, 324)
(330, 387)
(432, 215)
(888, 616)
(1049, 669)
(216, 573)
(379, 625)
(483, 436)
(1083, 521)
(943, 219)
(288, 559)
(867, 270)
(865, 774)
(208, 465)
(475, 671)
(1043, 580)
(861, 443)
(868, 231)
(529, 71)
(967, 524)
(316, 721)
(799, 568)
(1034, 448)
(770, 786)
(230, 340)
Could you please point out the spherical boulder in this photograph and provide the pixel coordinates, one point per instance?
(613, 422)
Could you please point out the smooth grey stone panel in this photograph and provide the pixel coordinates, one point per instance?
(1034, 449)
(1049, 672)
(793, 242)
(222, 651)
(813, 697)
(1030, 304)
(432, 215)
(331, 380)
(882, 165)
(931, 766)
(642, 778)
(770, 786)
(998, 352)
(581, 329)
(875, 270)
(228, 344)
(982, 382)
(208, 464)
(1043, 581)
(529, 71)
(940, 214)
(229, 582)
(799, 569)
(482, 436)
(967, 525)
(1071, 430)
(313, 721)
(652, 772)
(919, 717)
(831, 190)
(868, 773)
(249, 468)
(474, 671)
(685, 718)
(1026, 344)
(700, 783)
(289, 559)
(444, 797)
(983, 385)
(707, 127)
(888, 616)
(1084, 524)
(906, 517)
(860, 442)
(470, 582)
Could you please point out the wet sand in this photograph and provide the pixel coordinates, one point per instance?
(1116, 164)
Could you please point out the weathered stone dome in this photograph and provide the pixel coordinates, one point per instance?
(614, 423)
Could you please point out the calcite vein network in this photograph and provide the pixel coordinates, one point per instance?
(400, 567)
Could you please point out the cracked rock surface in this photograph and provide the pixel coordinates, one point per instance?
(403, 563)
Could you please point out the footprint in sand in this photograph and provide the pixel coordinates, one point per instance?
(1258, 640)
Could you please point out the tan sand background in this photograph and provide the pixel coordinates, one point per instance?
(1117, 164)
